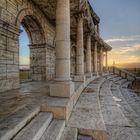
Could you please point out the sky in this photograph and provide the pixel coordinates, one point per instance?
(119, 27)
(24, 49)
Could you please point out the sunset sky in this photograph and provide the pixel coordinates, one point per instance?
(119, 27)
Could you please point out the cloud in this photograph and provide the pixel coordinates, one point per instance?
(124, 39)
(127, 50)
(125, 55)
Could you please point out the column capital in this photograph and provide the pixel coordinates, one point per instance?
(79, 16)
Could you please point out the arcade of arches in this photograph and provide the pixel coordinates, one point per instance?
(64, 42)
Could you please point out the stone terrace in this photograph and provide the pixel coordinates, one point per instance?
(102, 112)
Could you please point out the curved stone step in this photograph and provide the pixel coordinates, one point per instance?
(15, 122)
(69, 134)
(132, 99)
(131, 115)
(117, 124)
(35, 129)
(54, 131)
(86, 115)
(109, 108)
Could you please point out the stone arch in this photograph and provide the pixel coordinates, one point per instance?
(24, 12)
(29, 19)
(35, 30)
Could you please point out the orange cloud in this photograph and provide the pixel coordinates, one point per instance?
(125, 55)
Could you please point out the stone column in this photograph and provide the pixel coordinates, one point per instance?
(95, 69)
(80, 52)
(101, 60)
(9, 56)
(63, 86)
(106, 60)
(88, 56)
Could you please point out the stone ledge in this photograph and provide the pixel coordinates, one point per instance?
(15, 122)
(62, 107)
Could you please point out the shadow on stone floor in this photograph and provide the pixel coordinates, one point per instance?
(29, 93)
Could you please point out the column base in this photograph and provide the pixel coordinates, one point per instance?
(62, 89)
(95, 74)
(100, 73)
(79, 78)
(89, 75)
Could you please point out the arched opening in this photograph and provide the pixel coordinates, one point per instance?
(32, 49)
(24, 56)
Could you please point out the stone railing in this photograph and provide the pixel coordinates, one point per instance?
(123, 73)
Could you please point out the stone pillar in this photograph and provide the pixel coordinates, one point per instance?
(95, 67)
(63, 86)
(101, 60)
(80, 52)
(88, 56)
(106, 60)
(9, 56)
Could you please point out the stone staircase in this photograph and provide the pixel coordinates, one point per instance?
(117, 123)
(105, 110)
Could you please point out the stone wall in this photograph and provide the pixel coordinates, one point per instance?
(9, 59)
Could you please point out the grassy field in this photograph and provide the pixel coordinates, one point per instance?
(24, 75)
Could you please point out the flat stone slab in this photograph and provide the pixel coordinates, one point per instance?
(69, 134)
(121, 133)
(54, 131)
(29, 93)
(86, 118)
(88, 101)
(15, 122)
(35, 129)
(113, 116)
(86, 113)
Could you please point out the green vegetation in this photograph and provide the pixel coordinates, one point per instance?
(24, 75)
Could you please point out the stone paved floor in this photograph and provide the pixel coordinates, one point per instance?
(29, 93)
(116, 101)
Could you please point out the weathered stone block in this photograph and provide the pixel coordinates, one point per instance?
(62, 89)
(3, 40)
(12, 68)
(79, 78)
(12, 75)
(2, 76)
(16, 59)
(2, 68)
(3, 3)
